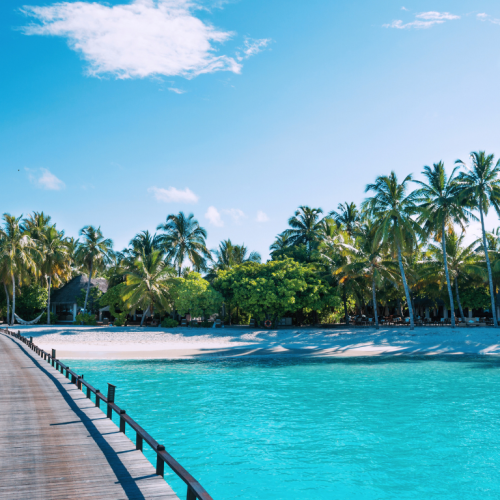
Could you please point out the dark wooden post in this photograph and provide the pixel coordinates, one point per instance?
(160, 464)
(53, 356)
(111, 399)
(67, 372)
(97, 399)
(191, 495)
(122, 421)
(138, 442)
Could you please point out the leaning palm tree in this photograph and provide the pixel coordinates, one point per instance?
(306, 228)
(481, 189)
(94, 252)
(370, 260)
(442, 208)
(148, 284)
(17, 254)
(184, 239)
(392, 210)
(54, 263)
(348, 217)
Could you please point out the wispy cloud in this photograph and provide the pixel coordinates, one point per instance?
(141, 39)
(404, 8)
(235, 213)
(177, 91)
(423, 20)
(44, 179)
(173, 195)
(487, 17)
(253, 47)
(214, 217)
(261, 216)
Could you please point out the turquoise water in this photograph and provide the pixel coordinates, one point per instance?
(283, 428)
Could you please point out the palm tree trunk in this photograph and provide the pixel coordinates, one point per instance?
(48, 300)
(144, 315)
(375, 302)
(490, 278)
(88, 287)
(13, 300)
(445, 258)
(345, 306)
(458, 301)
(8, 301)
(407, 291)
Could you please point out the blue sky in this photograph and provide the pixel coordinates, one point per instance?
(117, 114)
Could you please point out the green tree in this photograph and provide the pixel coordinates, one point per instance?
(113, 299)
(196, 296)
(228, 255)
(481, 189)
(94, 252)
(16, 254)
(347, 217)
(392, 209)
(31, 301)
(148, 284)
(184, 239)
(442, 207)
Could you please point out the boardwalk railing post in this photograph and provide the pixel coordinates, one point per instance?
(138, 442)
(191, 495)
(97, 399)
(111, 399)
(160, 464)
(122, 421)
(53, 356)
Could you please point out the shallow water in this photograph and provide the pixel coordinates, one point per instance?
(288, 428)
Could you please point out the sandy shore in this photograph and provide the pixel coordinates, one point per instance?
(78, 342)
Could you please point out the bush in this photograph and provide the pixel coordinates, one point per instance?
(53, 319)
(85, 319)
(207, 324)
(120, 319)
(194, 323)
(169, 323)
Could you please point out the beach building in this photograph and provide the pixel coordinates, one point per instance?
(63, 300)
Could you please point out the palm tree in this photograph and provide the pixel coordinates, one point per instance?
(481, 189)
(184, 239)
(392, 208)
(369, 261)
(280, 243)
(55, 264)
(148, 284)
(36, 224)
(306, 228)
(16, 254)
(229, 255)
(348, 217)
(441, 208)
(94, 252)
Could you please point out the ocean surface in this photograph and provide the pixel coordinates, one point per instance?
(288, 428)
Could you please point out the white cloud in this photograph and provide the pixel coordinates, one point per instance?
(214, 217)
(235, 213)
(423, 20)
(253, 47)
(45, 180)
(141, 39)
(177, 91)
(173, 195)
(404, 8)
(487, 17)
(261, 216)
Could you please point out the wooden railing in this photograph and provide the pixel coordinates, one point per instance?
(194, 488)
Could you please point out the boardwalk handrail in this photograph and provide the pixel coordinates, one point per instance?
(194, 489)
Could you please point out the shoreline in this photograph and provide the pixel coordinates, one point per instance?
(84, 342)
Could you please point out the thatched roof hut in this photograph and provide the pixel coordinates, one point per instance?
(63, 300)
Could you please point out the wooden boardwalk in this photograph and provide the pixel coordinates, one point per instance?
(54, 442)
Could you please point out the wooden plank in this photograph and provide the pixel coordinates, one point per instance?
(55, 444)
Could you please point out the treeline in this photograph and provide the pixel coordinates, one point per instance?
(403, 247)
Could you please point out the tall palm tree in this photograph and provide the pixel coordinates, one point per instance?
(370, 260)
(94, 252)
(279, 244)
(481, 188)
(148, 284)
(392, 209)
(306, 228)
(55, 262)
(16, 254)
(348, 217)
(441, 208)
(229, 255)
(184, 238)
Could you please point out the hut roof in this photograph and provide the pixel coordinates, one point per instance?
(68, 293)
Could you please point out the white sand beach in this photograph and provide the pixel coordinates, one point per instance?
(80, 342)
